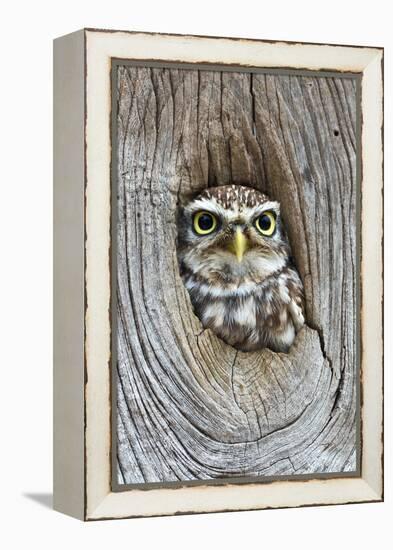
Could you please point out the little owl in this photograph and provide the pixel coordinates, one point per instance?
(235, 261)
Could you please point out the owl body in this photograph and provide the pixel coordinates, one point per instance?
(235, 261)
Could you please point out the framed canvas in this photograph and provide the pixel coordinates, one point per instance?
(218, 340)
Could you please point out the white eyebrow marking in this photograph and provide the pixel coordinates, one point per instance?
(210, 205)
(260, 208)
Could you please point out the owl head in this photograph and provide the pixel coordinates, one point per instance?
(231, 235)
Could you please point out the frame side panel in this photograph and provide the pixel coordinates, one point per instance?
(68, 242)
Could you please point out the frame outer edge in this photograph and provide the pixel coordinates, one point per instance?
(68, 271)
(373, 276)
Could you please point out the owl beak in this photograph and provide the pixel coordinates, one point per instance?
(240, 244)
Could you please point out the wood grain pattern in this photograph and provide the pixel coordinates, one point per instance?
(189, 406)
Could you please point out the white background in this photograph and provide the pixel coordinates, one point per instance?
(26, 298)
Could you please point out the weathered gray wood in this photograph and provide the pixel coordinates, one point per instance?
(189, 406)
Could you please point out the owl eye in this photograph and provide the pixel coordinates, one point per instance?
(266, 223)
(204, 223)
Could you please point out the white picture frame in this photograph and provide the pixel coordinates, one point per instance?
(82, 175)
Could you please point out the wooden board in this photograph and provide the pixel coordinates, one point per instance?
(189, 406)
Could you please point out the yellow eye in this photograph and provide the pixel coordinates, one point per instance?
(266, 223)
(204, 223)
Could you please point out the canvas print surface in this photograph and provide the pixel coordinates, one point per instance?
(235, 319)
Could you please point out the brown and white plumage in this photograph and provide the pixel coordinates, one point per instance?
(241, 279)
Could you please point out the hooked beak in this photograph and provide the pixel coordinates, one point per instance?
(239, 244)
